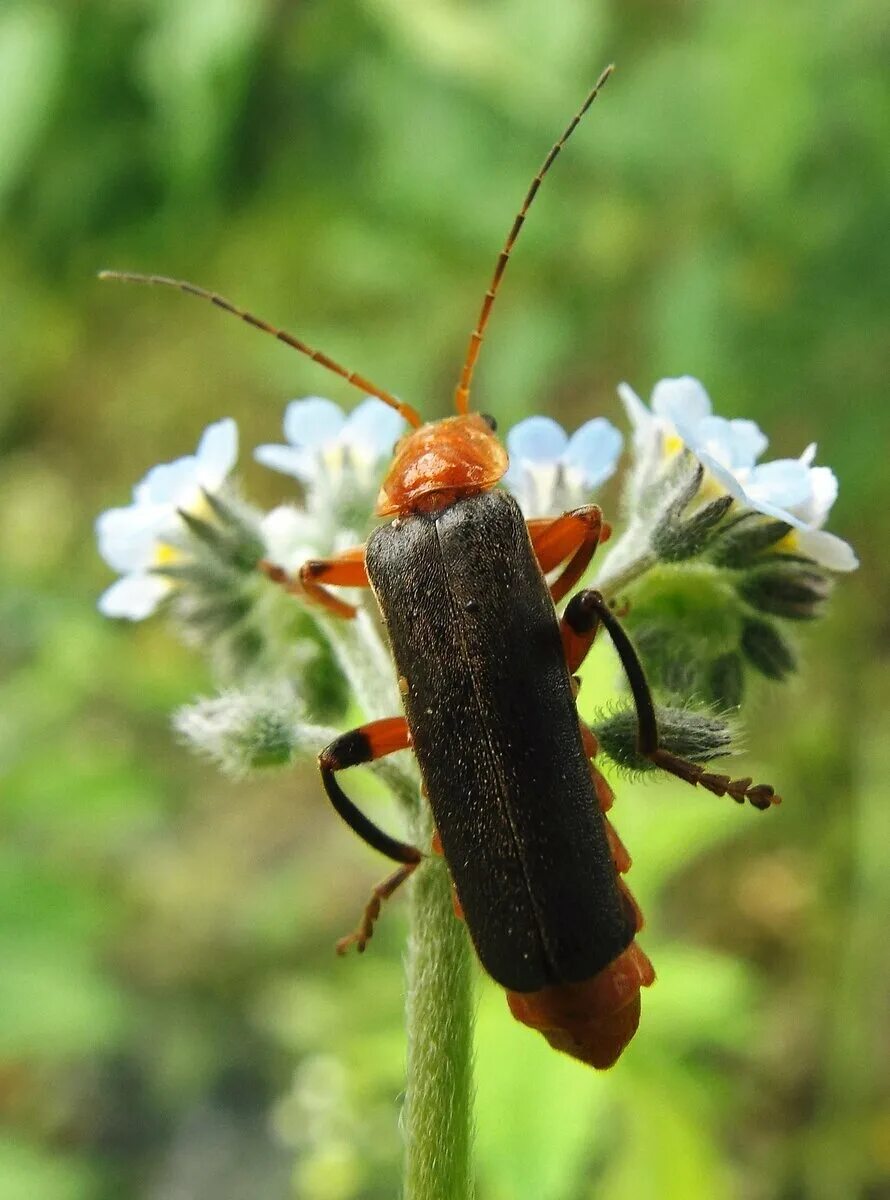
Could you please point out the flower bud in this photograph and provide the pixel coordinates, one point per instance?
(244, 731)
(766, 649)
(675, 540)
(697, 736)
(786, 589)
(232, 538)
(742, 543)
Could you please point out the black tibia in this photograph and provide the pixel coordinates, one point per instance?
(364, 745)
(578, 627)
(760, 795)
(365, 930)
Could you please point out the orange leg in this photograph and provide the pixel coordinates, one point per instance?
(364, 745)
(346, 569)
(455, 899)
(364, 931)
(605, 798)
(574, 536)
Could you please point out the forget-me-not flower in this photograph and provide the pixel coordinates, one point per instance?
(146, 534)
(550, 472)
(324, 442)
(789, 490)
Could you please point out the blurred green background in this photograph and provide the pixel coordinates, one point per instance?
(173, 1023)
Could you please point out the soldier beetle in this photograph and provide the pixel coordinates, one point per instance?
(487, 671)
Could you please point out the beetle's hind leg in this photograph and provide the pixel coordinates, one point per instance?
(760, 795)
(346, 569)
(364, 745)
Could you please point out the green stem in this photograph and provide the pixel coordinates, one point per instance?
(437, 1121)
(622, 567)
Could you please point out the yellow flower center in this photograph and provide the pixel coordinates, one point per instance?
(165, 555)
(788, 544)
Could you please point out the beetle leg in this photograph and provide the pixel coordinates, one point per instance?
(346, 569)
(455, 899)
(760, 795)
(578, 628)
(576, 534)
(605, 798)
(363, 745)
(365, 929)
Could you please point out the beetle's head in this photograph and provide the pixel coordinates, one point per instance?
(442, 462)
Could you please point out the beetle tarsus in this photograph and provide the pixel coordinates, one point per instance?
(761, 795)
(365, 929)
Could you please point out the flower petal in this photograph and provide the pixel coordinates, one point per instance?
(826, 549)
(683, 401)
(313, 422)
(134, 597)
(167, 483)
(723, 476)
(593, 451)
(637, 413)
(737, 444)
(217, 453)
(783, 483)
(372, 429)
(127, 536)
(287, 533)
(823, 493)
(290, 460)
(537, 440)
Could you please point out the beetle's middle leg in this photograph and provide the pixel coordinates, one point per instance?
(363, 745)
(573, 536)
(346, 569)
(760, 795)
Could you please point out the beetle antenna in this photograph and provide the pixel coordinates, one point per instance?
(462, 395)
(405, 410)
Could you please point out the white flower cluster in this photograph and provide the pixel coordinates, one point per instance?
(145, 535)
(790, 490)
(330, 453)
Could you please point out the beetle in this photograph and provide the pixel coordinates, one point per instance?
(488, 675)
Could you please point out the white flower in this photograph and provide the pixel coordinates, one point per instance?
(323, 441)
(790, 490)
(135, 539)
(550, 472)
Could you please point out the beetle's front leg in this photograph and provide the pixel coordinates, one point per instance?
(574, 536)
(760, 795)
(346, 569)
(363, 745)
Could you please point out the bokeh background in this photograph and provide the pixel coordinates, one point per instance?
(173, 1023)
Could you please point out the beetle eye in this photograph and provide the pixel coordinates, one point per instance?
(489, 421)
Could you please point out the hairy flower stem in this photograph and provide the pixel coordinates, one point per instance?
(437, 1122)
(622, 567)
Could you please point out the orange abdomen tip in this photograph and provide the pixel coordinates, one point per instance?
(594, 1020)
